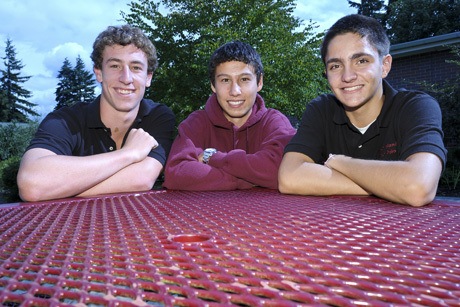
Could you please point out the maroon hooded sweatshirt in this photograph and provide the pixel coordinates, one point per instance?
(246, 157)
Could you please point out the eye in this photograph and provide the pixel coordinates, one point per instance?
(333, 67)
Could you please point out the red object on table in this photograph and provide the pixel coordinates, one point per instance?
(244, 248)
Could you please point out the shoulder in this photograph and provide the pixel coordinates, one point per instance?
(148, 107)
(74, 114)
(324, 106)
(198, 117)
(413, 99)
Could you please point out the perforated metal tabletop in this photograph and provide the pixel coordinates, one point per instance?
(237, 248)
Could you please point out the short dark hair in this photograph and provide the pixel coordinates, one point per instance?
(235, 51)
(365, 26)
(124, 35)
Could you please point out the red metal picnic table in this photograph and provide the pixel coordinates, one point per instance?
(229, 248)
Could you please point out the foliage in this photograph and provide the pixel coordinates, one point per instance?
(410, 20)
(8, 173)
(191, 30)
(372, 8)
(75, 84)
(14, 138)
(13, 100)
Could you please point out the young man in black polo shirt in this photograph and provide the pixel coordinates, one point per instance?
(367, 138)
(117, 143)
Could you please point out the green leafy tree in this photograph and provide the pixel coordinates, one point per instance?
(14, 103)
(191, 30)
(415, 19)
(75, 84)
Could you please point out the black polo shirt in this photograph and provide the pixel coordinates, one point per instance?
(79, 131)
(409, 122)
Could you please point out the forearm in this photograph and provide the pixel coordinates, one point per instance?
(196, 176)
(412, 182)
(299, 175)
(56, 176)
(140, 176)
(260, 168)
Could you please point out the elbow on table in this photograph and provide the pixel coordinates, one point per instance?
(30, 192)
(418, 195)
(285, 185)
(143, 183)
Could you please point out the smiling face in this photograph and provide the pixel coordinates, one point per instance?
(236, 87)
(355, 71)
(124, 78)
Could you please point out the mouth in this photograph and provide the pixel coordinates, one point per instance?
(353, 88)
(235, 103)
(124, 91)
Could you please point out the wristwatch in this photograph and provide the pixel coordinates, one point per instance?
(208, 152)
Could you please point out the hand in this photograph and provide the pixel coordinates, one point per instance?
(329, 159)
(200, 157)
(139, 143)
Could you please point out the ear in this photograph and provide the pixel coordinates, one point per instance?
(213, 88)
(148, 81)
(261, 82)
(386, 65)
(98, 74)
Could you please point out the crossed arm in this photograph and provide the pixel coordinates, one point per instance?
(412, 182)
(45, 175)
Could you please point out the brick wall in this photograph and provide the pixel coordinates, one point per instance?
(430, 67)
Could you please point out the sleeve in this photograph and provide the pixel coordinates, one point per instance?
(260, 164)
(54, 134)
(420, 121)
(310, 138)
(161, 125)
(185, 172)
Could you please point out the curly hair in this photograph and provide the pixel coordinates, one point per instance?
(124, 35)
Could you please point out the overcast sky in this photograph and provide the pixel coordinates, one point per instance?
(44, 33)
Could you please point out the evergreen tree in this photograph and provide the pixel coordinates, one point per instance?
(15, 106)
(75, 84)
(64, 96)
(84, 82)
(192, 29)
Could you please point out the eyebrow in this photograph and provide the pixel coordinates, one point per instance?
(240, 75)
(354, 56)
(120, 61)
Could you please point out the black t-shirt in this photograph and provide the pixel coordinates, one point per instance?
(79, 131)
(410, 122)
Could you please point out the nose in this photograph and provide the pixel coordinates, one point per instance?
(348, 74)
(235, 89)
(126, 75)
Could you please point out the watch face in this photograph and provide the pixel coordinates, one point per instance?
(208, 152)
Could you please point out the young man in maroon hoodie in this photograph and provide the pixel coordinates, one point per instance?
(235, 142)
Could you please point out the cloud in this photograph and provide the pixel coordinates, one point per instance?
(324, 13)
(54, 59)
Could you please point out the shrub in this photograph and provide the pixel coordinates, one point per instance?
(9, 171)
(14, 139)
